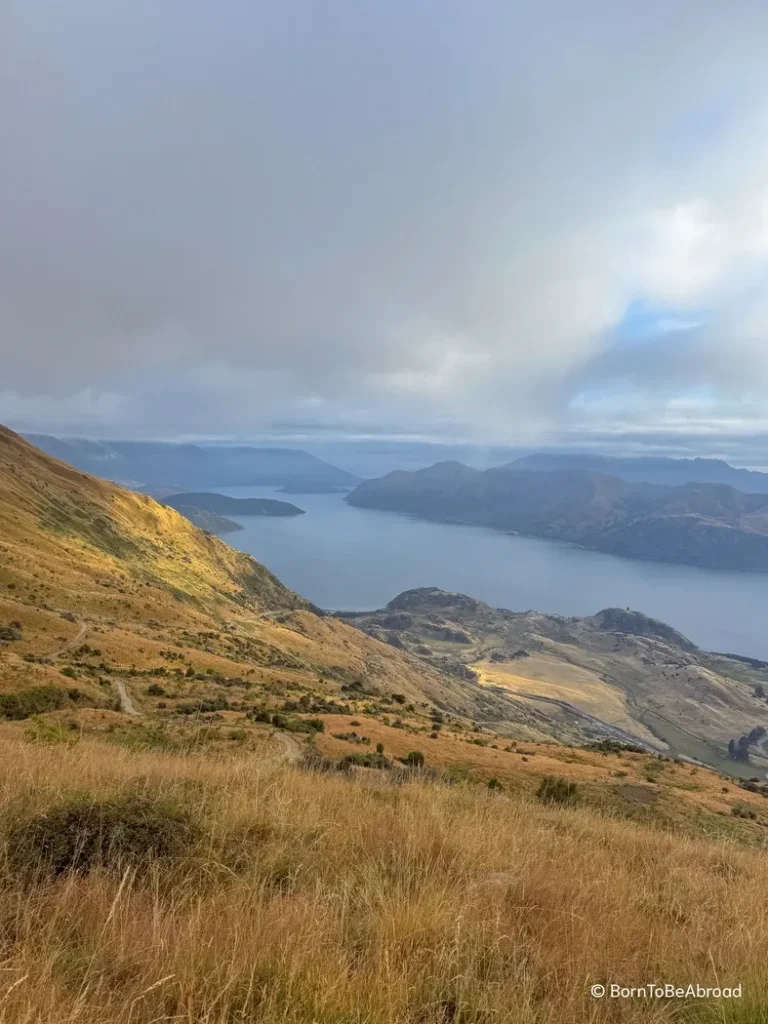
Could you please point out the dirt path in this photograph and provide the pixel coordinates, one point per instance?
(126, 704)
(80, 635)
(291, 747)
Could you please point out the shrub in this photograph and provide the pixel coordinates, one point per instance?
(414, 759)
(379, 748)
(69, 672)
(742, 811)
(610, 746)
(35, 701)
(203, 706)
(46, 730)
(557, 791)
(367, 760)
(155, 690)
(81, 834)
(494, 784)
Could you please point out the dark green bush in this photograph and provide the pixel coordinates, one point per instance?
(557, 791)
(155, 690)
(35, 701)
(365, 760)
(203, 706)
(415, 759)
(81, 834)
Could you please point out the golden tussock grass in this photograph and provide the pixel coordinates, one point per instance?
(319, 897)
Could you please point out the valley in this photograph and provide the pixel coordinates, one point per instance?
(189, 742)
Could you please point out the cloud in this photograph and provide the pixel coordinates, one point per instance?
(228, 216)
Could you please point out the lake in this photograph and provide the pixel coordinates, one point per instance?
(348, 558)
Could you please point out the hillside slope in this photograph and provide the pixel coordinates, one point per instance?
(617, 667)
(695, 524)
(103, 582)
(166, 854)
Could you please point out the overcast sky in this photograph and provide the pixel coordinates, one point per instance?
(522, 222)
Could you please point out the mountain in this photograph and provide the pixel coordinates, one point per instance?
(645, 469)
(156, 464)
(110, 584)
(219, 804)
(708, 525)
(221, 504)
(619, 674)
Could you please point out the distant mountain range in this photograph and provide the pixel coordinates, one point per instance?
(650, 470)
(158, 464)
(704, 524)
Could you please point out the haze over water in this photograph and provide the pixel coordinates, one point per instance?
(342, 557)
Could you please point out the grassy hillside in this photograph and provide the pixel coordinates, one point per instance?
(221, 806)
(243, 889)
(102, 582)
(631, 673)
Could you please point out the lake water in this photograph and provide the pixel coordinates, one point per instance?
(354, 559)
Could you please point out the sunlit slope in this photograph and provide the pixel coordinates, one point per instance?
(627, 670)
(82, 558)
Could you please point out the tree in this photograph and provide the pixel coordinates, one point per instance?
(415, 759)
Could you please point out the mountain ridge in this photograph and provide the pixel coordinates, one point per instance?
(638, 676)
(183, 466)
(81, 553)
(649, 469)
(709, 525)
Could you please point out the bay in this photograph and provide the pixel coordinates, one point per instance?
(355, 559)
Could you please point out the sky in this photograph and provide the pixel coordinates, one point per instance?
(527, 223)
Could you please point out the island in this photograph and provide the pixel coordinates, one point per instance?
(209, 510)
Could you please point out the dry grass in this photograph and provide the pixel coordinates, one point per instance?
(85, 561)
(666, 793)
(545, 676)
(324, 898)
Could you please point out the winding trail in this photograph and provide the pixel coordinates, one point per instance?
(291, 747)
(126, 704)
(80, 635)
